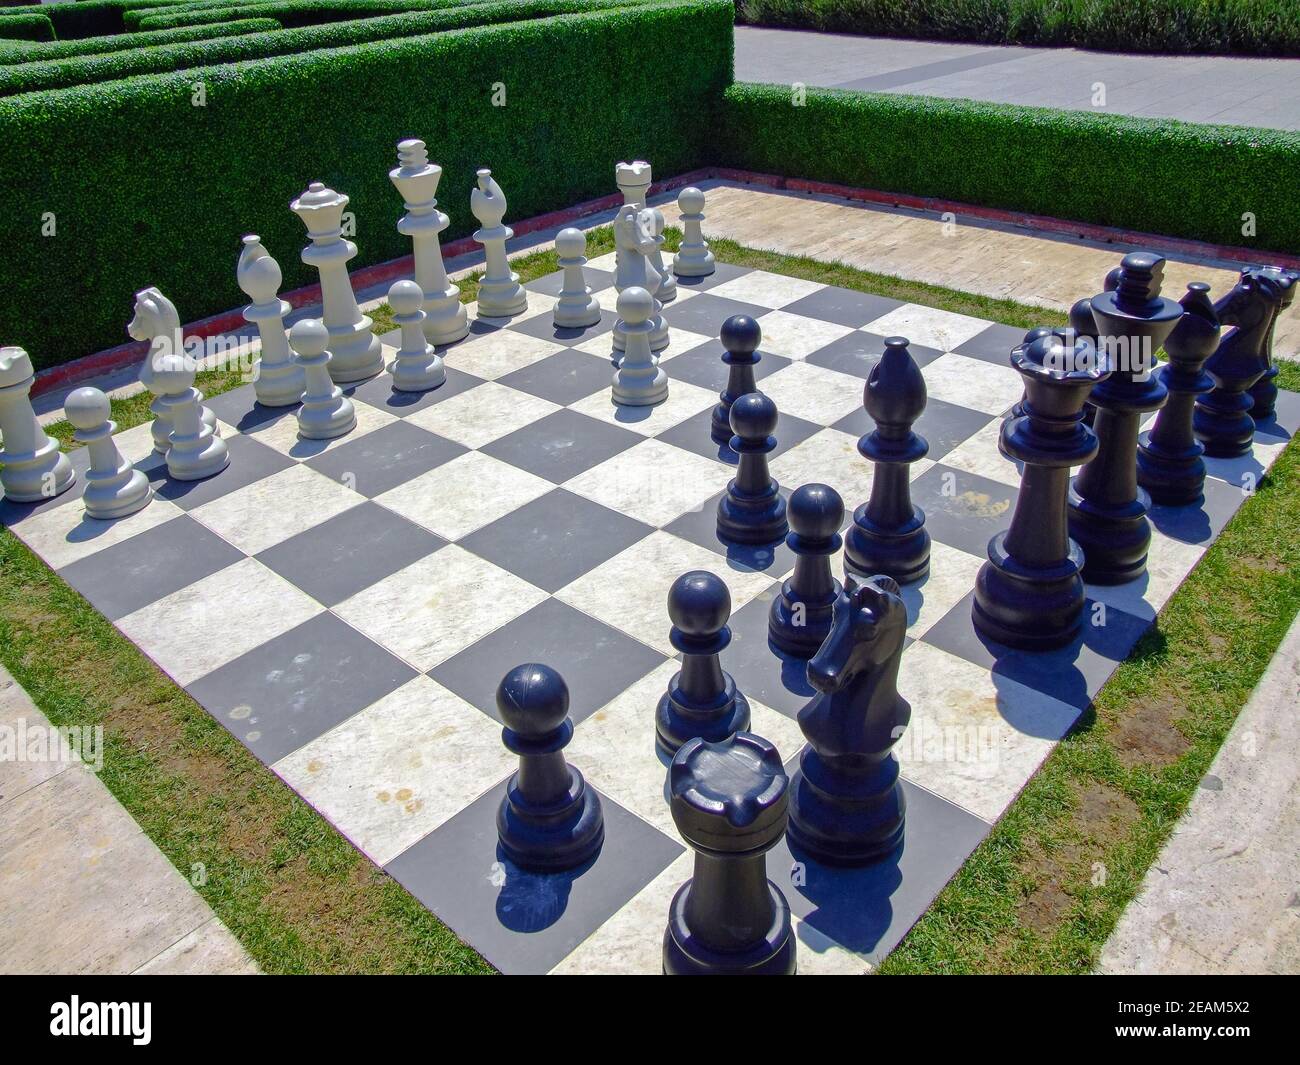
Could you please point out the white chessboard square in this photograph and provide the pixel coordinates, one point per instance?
(218, 618)
(66, 534)
(1169, 561)
(684, 399)
(391, 774)
(498, 353)
(538, 303)
(282, 433)
(607, 298)
(651, 481)
(973, 383)
(813, 393)
(928, 326)
(630, 590)
(269, 511)
(464, 494)
(974, 739)
(832, 457)
(767, 290)
(979, 454)
(434, 608)
(605, 262)
(796, 336)
(482, 414)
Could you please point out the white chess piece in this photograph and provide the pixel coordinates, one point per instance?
(417, 367)
(667, 291)
(693, 257)
(278, 381)
(634, 238)
(157, 321)
(194, 451)
(499, 293)
(357, 353)
(114, 488)
(633, 181)
(445, 320)
(577, 307)
(325, 412)
(639, 381)
(32, 467)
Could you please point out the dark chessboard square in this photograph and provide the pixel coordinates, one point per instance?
(250, 461)
(701, 527)
(385, 458)
(703, 366)
(239, 408)
(1200, 522)
(722, 273)
(551, 284)
(1074, 674)
(993, 345)
(843, 306)
(857, 352)
(596, 661)
(1285, 422)
(298, 686)
(870, 909)
(963, 510)
(944, 425)
(543, 327)
(561, 445)
(563, 378)
(554, 540)
(705, 313)
(762, 672)
(693, 435)
(339, 557)
(527, 923)
(379, 392)
(139, 571)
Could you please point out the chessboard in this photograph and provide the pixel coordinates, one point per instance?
(346, 608)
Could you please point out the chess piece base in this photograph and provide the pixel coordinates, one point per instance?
(1170, 477)
(186, 465)
(563, 836)
(676, 723)
(1225, 428)
(632, 389)
(1029, 608)
(801, 640)
(279, 386)
(445, 318)
(117, 495)
(752, 519)
(357, 355)
(35, 476)
(902, 552)
(503, 299)
(327, 421)
(773, 955)
(577, 317)
(1114, 538)
(694, 267)
(846, 831)
(161, 429)
(418, 375)
(1264, 395)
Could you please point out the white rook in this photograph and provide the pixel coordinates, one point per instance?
(278, 381)
(114, 488)
(499, 293)
(33, 466)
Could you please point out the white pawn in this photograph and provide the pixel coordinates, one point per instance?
(417, 367)
(32, 467)
(577, 307)
(325, 412)
(114, 488)
(667, 291)
(639, 381)
(499, 293)
(157, 321)
(194, 451)
(278, 380)
(693, 257)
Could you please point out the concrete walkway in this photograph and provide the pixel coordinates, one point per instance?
(1224, 895)
(1221, 89)
(82, 889)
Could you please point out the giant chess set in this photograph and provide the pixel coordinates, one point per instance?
(659, 614)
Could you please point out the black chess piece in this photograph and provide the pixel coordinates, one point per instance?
(550, 819)
(1222, 420)
(1108, 511)
(702, 699)
(1084, 325)
(800, 617)
(752, 510)
(888, 533)
(1038, 331)
(730, 802)
(847, 806)
(1029, 593)
(1264, 391)
(740, 338)
(1169, 463)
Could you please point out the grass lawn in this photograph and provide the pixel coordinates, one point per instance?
(1040, 895)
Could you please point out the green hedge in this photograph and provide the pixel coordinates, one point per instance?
(87, 18)
(172, 216)
(132, 19)
(1252, 27)
(290, 13)
(84, 70)
(1158, 176)
(55, 50)
(26, 27)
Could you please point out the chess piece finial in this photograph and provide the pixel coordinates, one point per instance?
(740, 336)
(847, 806)
(752, 511)
(325, 412)
(639, 381)
(693, 258)
(32, 468)
(114, 488)
(800, 617)
(549, 819)
(702, 699)
(730, 802)
(576, 308)
(278, 380)
(417, 367)
(194, 451)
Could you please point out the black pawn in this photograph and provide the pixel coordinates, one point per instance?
(549, 820)
(1108, 512)
(701, 700)
(740, 337)
(888, 534)
(752, 510)
(800, 616)
(1169, 463)
(1264, 391)
(1029, 593)
(730, 802)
